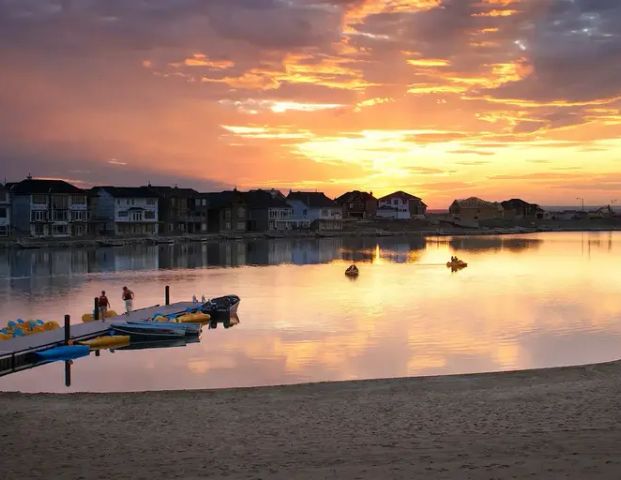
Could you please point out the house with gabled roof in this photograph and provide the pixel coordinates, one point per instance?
(268, 211)
(126, 211)
(315, 210)
(48, 208)
(475, 209)
(227, 211)
(357, 205)
(400, 205)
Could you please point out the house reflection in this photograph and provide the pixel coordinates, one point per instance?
(494, 244)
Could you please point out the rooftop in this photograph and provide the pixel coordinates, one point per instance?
(312, 199)
(127, 192)
(35, 185)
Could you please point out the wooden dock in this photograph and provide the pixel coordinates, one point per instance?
(16, 353)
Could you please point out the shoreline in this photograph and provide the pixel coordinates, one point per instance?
(560, 422)
(31, 243)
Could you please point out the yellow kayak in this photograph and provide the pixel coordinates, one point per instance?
(106, 341)
(89, 317)
(194, 318)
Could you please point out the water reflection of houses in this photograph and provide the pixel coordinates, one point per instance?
(389, 249)
(316, 251)
(484, 244)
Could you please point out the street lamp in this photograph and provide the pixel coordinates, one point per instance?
(582, 199)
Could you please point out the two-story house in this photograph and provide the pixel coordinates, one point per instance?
(358, 205)
(125, 210)
(315, 210)
(5, 211)
(226, 211)
(48, 208)
(474, 209)
(401, 206)
(180, 210)
(268, 211)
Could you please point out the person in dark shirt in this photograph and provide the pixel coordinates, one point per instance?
(128, 298)
(103, 304)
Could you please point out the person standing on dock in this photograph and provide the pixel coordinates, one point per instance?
(128, 298)
(103, 303)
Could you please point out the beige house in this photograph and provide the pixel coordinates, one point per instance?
(474, 209)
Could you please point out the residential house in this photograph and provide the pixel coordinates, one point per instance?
(180, 210)
(5, 211)
(401, 206)
(268, 211)
(125, 210)
(518, 209)
(48, 208)
(358, 205)
(226, 212)
(315, 210)
(474, 209)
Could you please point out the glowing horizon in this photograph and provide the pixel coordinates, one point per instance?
(443, 99)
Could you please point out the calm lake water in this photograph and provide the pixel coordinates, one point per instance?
(524, 301)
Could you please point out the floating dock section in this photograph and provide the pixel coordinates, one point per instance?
(17, 353)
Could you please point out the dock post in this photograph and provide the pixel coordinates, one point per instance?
(167, 295)
(67, 329)
(96, 309)
(68, 373)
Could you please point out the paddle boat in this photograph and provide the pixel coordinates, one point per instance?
(352, 271)
(456, 263)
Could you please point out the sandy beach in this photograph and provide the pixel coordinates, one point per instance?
(551, 423)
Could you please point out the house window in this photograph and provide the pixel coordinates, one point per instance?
(3, 213)
(4, 196)
(150, 201)
(39, 199)
(149, 215)
(38, 216)
(240, 225)
(241, 211)
(78, 200)
(304, 212)
(136, 216)
(122, 213)
(38, 230)
(79, 216)
(395, 201)
(4, 230)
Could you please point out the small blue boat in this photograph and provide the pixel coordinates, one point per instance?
(66, 352)
(147, 330)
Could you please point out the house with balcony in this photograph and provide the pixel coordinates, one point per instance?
(268, 211)
(5, 211)
(124, 211)
(48, 208)
(226, 211)
(401, 206)
(358, 205)
(316, 211)
(180, 210)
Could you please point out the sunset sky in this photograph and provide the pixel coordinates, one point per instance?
(442, 98)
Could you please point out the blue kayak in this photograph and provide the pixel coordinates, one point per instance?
(66, 352)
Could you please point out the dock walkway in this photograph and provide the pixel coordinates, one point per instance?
(15, 353)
